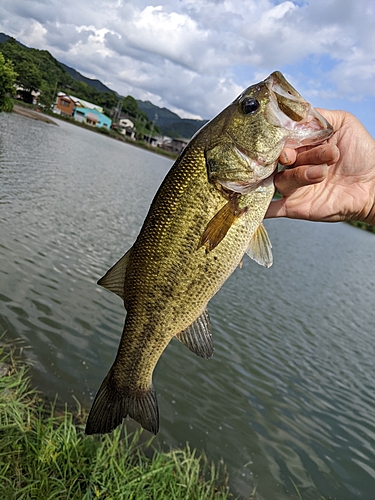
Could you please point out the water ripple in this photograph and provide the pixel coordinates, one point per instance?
(289, 393)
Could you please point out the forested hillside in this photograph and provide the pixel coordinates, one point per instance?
(38, 70)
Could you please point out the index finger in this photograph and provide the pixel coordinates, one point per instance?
(323, 154)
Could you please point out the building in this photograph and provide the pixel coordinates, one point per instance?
(92, 117)
(126, 127)
(162, 139)
(81, 110)
(65, 104)
(175, 145)
(31, 97)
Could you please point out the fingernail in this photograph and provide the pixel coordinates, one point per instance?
(284, 158)
(316, 172)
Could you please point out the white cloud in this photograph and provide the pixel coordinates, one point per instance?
(195, 56)
(355, 77)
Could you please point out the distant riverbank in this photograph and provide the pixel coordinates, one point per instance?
(35, 113)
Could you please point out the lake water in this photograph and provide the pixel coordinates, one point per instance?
(289, 395)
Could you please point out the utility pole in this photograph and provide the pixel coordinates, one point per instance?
(54, 96)
(118, 111)
(153, 125)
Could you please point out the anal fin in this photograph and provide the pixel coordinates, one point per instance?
(114, 278)
(260, 247)
(197, 337)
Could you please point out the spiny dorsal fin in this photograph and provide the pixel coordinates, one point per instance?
(260, 247)
(114, 278)
(197, 337)
(220, 224)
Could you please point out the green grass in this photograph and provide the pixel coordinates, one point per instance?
(44, 454)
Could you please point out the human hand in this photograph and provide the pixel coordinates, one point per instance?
(331, 182)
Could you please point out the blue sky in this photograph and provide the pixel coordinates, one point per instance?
(196, 56)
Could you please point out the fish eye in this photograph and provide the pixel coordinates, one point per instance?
(250, 105)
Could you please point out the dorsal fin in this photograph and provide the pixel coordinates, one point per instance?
(197, 337)
(260, 247)
(114, 278)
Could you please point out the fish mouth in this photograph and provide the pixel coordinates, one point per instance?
(289, 110)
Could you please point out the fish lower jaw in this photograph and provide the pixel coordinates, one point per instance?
(312, 129)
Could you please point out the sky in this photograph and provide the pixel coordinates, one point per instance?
(195, 56)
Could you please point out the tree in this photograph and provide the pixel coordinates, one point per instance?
(108, 100)
(29, 79)
(130, 106)
(7, 80)
(37, 70)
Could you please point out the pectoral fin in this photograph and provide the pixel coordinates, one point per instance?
(114, 279)
(197, 337)
(220, 224)
(260, 247)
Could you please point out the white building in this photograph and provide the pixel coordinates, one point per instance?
(126, 127)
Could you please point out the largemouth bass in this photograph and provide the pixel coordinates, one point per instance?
(206, 214)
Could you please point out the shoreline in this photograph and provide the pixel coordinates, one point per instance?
(42, 116)
(33, 114)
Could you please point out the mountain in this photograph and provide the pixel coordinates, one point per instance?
(97, 84)
(170, 123)
(4, 38)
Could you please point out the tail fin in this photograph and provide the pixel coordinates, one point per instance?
(111, 405)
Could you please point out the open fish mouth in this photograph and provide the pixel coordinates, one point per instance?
(289, 110)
